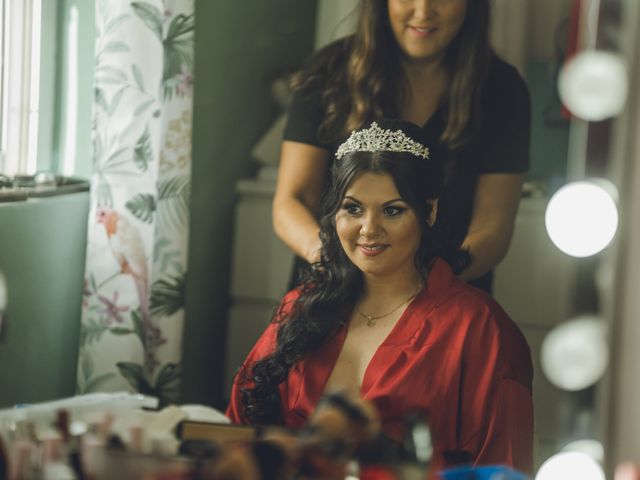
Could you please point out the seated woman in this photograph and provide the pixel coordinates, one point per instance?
(383, 316)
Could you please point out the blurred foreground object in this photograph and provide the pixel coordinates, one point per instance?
(117, 436)
(627, 471)
(482, 473)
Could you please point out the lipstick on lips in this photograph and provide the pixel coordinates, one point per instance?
(372, 249)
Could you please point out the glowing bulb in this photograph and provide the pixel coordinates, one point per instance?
(575, 354)
(581, 218)
(570, 466)
(593, 85)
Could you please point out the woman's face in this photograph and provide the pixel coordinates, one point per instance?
(425, 28)
(378, 230)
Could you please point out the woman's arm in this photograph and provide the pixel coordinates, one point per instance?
(494, 211)
(301, 179)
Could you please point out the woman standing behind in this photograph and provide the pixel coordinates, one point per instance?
(428, 62)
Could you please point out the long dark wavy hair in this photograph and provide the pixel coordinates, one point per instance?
(331, 287)
(361, 77)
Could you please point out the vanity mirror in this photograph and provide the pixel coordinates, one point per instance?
(538, 285)
(238, 270)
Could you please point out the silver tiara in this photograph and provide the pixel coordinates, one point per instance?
(376, 139)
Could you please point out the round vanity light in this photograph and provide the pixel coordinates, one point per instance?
(593, 85)
(581, 217)
(570, 465)
(575, 354)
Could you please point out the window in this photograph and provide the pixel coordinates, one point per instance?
(20, 41)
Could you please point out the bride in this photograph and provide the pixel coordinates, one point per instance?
(383, 316)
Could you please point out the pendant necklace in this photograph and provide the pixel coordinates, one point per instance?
(372, 319)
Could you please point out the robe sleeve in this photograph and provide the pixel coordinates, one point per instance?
(496, 408)
(509, 428)
(264, 346)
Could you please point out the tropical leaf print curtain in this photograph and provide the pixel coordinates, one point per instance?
(132, 315)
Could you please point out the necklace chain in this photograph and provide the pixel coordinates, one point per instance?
(372, 319)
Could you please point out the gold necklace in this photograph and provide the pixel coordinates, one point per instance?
(372, 319)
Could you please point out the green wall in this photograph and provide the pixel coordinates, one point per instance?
(239, 47)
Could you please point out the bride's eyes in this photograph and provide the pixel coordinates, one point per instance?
(352, 208)
(392, 211)
(389, 211)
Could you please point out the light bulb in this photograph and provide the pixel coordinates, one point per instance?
(570, 466)
(582, 218)
(593, 85)
(574, 355)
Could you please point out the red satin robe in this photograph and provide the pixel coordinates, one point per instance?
(454, 355)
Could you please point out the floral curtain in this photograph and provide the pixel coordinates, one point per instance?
(132, 312)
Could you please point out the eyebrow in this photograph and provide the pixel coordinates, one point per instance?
(353, 199)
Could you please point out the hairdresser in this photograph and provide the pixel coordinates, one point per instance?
(428, 62)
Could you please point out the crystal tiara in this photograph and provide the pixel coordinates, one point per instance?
(376, 139)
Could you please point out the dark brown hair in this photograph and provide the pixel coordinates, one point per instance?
(361, 78)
